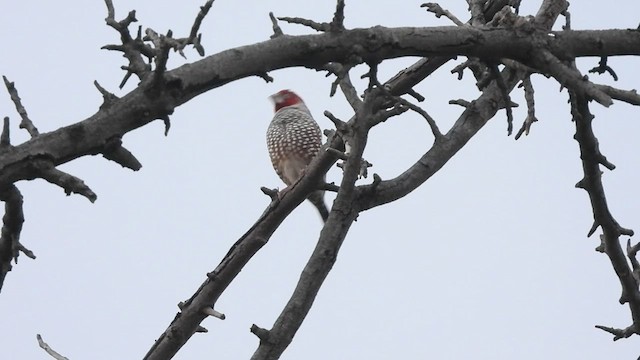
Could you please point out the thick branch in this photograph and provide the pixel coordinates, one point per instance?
(186, 323)
(138, 108)
(325, 254)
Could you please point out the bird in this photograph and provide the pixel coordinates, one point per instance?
(293, 140)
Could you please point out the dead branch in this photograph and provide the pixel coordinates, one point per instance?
(438, 11)
(592, 158)
(475, 116)
(604, 68)
(54, 354)
(10, 246)
(5, 140)
(242, 251)
(531, 110)
(343, 214)
(26, 123)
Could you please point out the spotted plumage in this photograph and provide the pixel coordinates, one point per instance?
(293, 140)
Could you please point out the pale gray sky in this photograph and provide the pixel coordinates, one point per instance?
(489, 259)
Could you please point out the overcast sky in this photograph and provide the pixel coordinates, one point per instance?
(489, 259)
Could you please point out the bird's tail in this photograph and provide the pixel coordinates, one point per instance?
(317, 199)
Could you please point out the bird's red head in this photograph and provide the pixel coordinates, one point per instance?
(284, 98)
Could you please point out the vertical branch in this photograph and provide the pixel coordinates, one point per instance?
(592, 158)
(10, 246)
(275, 341)
(26, 123)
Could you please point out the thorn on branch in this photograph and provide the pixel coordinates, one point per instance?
(635, 265)
(167, 124)
(262, 334)
(265, 76)
(461, 102)
(201, 329)
(277, 31)
(211, 312)
(108, 98)
(26, 123)
(414, 94)
(272, 193)
(114, 151)
(593, 228)
(438, 11)
(341, 126)
(606, 163)
(604, 68)
(126, 76)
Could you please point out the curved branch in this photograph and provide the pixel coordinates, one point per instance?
(468, 124)
(143, 105)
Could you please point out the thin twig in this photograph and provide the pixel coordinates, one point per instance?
(439, 12)
(604, 68)
(531, 110)
(26, 123)
(505, 94)
(277, 31)
(48, 349)
(432, 123)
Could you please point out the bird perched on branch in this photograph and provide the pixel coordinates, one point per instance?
(293, 140)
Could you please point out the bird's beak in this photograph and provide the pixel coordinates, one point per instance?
(275, 98)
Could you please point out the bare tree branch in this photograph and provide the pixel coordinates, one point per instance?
(10, 246)
(628, 96)
(531, 110)
(26, 123)
(137, 108)
(54, 354)
(592, 158)
(468, 124)
(192, 313)
(273, 342)
(568, 77)
(438, 11)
